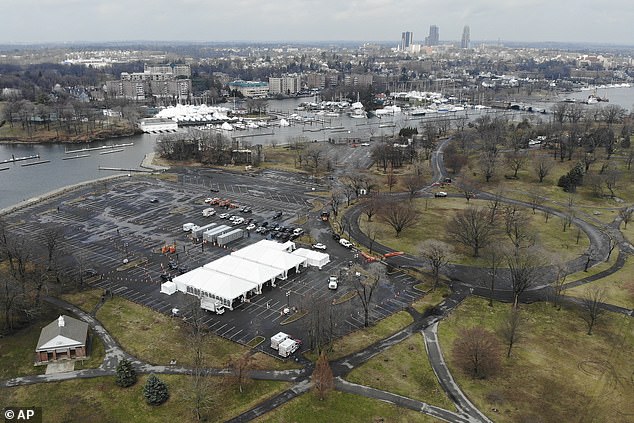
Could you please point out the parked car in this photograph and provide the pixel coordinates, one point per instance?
(345, 243)
(251, 227)
(153, 200)
(224, 215)
(440, 194)
(319, 246)
(336, 236)
(333, 282)
(208, 200)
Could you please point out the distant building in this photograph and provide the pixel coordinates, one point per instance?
(286, 84)
(433, 38)
(154, 81)
(407, 38)
(358, 79)
(316, 80)
(250, 89)
(466, 38)
(63, 339)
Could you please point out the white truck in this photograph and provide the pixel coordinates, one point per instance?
(278, 338)
(212, 305)
(188, 227)
(345, 243)
(288, 347)
(209, 212)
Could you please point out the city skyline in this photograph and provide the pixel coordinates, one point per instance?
(40, 21)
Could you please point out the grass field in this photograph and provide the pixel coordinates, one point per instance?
(342, 407)
(358, 340)
(85, 300)
(556, 373)
(405, 370)
(619, 287)
(157, 338)
(436, 213)
(100, 400)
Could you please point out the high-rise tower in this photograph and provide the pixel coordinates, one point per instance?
(466, 38)
(407, 39)
(433, 37)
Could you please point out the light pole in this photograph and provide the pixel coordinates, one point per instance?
(288, 299)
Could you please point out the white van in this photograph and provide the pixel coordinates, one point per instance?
(188, 227)
(209, 212)
(345, 243)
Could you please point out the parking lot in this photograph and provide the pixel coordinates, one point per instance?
(106, 226)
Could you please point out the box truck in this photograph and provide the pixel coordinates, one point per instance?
(210, 304)
(278, 338)
(288, 347)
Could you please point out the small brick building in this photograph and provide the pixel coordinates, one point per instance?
(62, 339)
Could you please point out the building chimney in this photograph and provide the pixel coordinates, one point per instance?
(60, 321)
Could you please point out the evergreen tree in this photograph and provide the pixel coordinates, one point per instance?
(126, 375)
(155, 391)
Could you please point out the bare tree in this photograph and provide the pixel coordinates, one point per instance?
(477, 352)
(515, 161)
(364, 287)
(413, 184)
(516, 226)
(323, 379)
(335, 202)
(371, 206)
(511, 329)
(626, 215)
(535, 198)
(390, 178)
(493, 256)
(561, 272)
(472, 227)
(199, 387)
(591, 306)
(371, 232)
(523, 271)
(488, 164)
(319, 323)
(437, 254)
(315, 155)
(239, 367)
(542, 166)
(398, 215)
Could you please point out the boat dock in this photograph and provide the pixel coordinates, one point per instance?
(120, 169)
(112, 151)
(36, 163)
(103, 147)
(79, 156)
(14, 159)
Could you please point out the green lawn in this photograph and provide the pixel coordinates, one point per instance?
(85, 300)
(403, 369)
(432, 298)
(100, 400)
(436, 214)
(619, 287)
(556, 373)
(342, 407)
(358, 340)
(157, 338)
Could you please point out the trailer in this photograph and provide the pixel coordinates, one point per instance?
(212, 234)
(278, 338)
(198, 232)
(288, 347)
(225, 239)
(210, 304)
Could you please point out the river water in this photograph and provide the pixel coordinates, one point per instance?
(19, 182)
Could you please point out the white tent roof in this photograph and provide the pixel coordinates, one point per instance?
(274, 245)
(315, 258)
(262, 253)
(245, 269)
(219, 284)
(168, 288)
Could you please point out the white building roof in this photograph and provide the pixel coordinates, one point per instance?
(212, 282)
(245, 269)
(263, 253)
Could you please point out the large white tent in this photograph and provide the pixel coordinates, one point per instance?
(245, 269)
(262, 253)
(314, 258)
(227, 289)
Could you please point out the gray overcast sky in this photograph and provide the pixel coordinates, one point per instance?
(603, 21)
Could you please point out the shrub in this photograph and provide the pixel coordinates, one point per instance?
(155, 391)
(477, 352)
(126, 375)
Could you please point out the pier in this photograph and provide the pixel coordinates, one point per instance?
(14, 159)
(103, 147)
(36, 163)
(79, 156)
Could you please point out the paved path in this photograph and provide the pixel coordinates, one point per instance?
(444, 376)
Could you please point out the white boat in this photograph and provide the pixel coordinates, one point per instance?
(388, 110)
